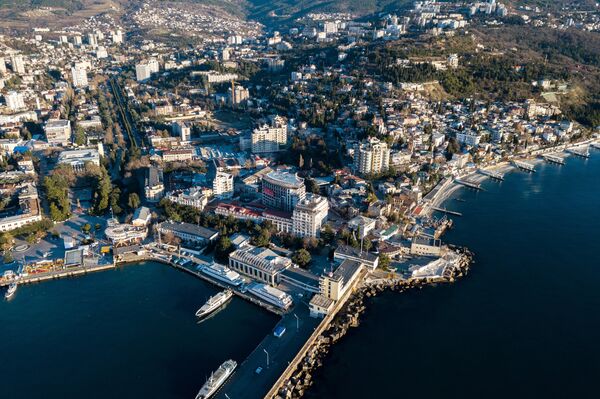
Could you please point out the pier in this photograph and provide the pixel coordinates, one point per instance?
(552, 158)
(469, 184)
(580, 152)
(524, 166)
(595, 145)
(490, 173)
(444, 210)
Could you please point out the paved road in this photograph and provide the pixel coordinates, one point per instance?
(245, 383)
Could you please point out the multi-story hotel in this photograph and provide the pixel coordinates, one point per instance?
(282, 190)
(261, 264)
(309, 215)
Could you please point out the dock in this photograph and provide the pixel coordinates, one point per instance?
(468, 183)
(524, 166)
(580, 152)
(444, 210)
(595, 145)
(552, 158)
(490, 173)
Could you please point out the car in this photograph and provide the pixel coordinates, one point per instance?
(258, 370)
(279, 331)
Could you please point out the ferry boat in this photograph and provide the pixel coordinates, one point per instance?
(214, 302)
(222, 273)
(271, 295)
(11, 291)
(217, 379)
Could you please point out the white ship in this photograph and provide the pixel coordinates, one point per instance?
(271, 295)
(217, 379)
(11, 291)
(214, 302)
(222, 273)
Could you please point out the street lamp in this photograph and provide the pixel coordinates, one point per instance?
(267, 353)
(297, 322)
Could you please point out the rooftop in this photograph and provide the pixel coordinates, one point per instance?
(285, 178)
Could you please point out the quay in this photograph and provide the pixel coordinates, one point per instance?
(595, 145)
(56, 274)
(580, 152)
(469, 184)
(444, 210)
(524, 166)
(554, 159)
(492, 174)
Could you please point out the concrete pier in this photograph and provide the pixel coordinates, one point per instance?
(554, 159)
(492, 174)
(524, 166)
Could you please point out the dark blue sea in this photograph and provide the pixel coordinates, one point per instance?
(126, 333)
(525, 323)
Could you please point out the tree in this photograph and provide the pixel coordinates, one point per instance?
(134, 201)
(301, 257)
(384, 262)
(86, 228)
(80, 138)
(223, 249)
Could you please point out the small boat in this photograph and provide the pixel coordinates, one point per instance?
(217, 379)
(11, 291)
(214, 302)
(459, 200)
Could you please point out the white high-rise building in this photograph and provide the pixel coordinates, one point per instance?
(330, 27)
(18, 66)
(270, 138)
(14, 100)
(2, 66)
(237, 39)
(79, 75)
(142, 72)
(153, 65)
(92, 40)
(183, 130)
(309, 215)
(101, 52)
(77, 40)
(117, 37)
(223, 185)
(371, 156)
(282, 190)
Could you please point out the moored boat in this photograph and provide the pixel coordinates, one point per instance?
(217, 379)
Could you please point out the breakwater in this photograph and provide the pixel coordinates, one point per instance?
(299, 376)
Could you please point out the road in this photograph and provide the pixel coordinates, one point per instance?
(245, 383)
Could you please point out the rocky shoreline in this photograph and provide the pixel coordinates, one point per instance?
(349, 316)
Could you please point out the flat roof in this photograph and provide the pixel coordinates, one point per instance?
(191, 229)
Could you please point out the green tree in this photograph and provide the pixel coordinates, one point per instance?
(134, 201)
(301, 257)
(80, 138)
(223, 249)
(384, 262)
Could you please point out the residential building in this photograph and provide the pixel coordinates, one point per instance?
(58, 131)
(309, 215)
(14, 100)
(18, 66)
(261, 264)
(371, 156)
(282, 190)
(153, 185)
(183, 130)
(79, 76)
(183, 154)
(142, 72)
(425, 246)
(270, 138)
(223, 185)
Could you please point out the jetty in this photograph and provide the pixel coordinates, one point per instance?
(444, 210)
(468, 183)
(524, 166)
(553, 158)
(595, 145)
(490, 173)
(580, 152)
